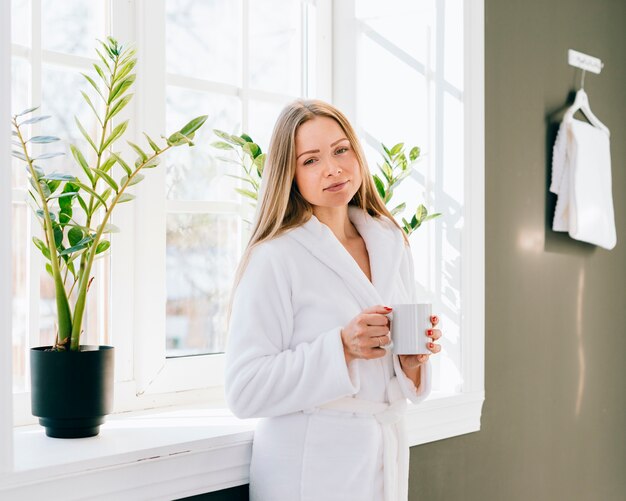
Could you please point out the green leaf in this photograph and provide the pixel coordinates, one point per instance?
(396, 149)
(48, 155)
(421, 212)
(101, 73)
(252, 149)
(125, 197)
(18, 154)
(53, 185)
(81, 202)
(178, 139)
(152, 144)
(103, 246)
(431, 216)
(193, 125)
(35, 120)
(79, 246)
(222, 145)
(414, 153)
(49, 269)
(115, 134)
(84, 133)
(109, 180)
(43, 139)
(108, 163)
(80, 159)
(91, 192)
(93, 108)
(63, 195)
(123, 164)
(119, 106)
(110, 228)
(125, 69)
(58, 235)
(94, 85)
(58, 176)
(246, 193)
(27, 110)
(103, 59)
(259, 163)
(134, 180)
(142, 154)
(246, 138)
(152, 163)
(399, 208)
(41, 245)
(121, 87)
(380, 187)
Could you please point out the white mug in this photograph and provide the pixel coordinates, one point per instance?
(409, 323)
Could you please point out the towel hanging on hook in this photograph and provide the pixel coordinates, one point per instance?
(581, 173)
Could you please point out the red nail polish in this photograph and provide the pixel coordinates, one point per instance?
(387, 308)
(430, 332)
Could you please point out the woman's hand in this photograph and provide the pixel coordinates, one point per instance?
(413, 362)
(366, 334)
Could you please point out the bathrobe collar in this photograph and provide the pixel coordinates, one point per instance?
(385, 246)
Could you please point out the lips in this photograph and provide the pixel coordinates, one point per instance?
(335, 185)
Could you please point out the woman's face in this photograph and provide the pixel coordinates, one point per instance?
(325, 157)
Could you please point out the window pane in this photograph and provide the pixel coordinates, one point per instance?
(203, 39)
(19, 243)
(71, 26)
(202, 253)
(20, 22)
(262, 118)
(20, 100)
(197, 173)
(276, 46)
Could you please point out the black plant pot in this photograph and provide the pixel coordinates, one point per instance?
(72, 391)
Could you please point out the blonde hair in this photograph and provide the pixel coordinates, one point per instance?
(281, 206)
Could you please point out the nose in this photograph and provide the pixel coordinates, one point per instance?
(333, 168)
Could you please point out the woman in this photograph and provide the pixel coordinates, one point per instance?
(309, 332)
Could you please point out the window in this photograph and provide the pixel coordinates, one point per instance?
(403, 72)
(56, 55)
(181, 240)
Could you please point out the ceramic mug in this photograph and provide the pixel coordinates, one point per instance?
(409, 323)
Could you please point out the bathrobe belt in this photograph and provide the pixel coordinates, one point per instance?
(395, 443)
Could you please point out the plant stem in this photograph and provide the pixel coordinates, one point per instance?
(79, 308)
(85, 269)
(63, 307)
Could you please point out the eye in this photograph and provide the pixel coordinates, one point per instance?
(309, 161)
(341, 150)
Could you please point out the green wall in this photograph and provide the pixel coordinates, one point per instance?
(554, 417)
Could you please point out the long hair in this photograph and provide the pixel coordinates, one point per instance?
(281, 206)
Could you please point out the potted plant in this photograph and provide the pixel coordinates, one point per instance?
(72, 384)
(394, 168)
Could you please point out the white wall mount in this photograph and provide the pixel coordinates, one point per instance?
(584, 62)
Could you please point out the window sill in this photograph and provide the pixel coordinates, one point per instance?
(177, 453)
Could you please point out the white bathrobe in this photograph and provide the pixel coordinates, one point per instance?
(285, 360)
(581, 177)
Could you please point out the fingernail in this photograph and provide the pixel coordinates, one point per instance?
(387, 308)
(431, 345)
(430, 332)
(434, 318)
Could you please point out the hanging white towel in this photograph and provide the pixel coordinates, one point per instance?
(581, 177)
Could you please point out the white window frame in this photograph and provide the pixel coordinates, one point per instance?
(6, 279)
